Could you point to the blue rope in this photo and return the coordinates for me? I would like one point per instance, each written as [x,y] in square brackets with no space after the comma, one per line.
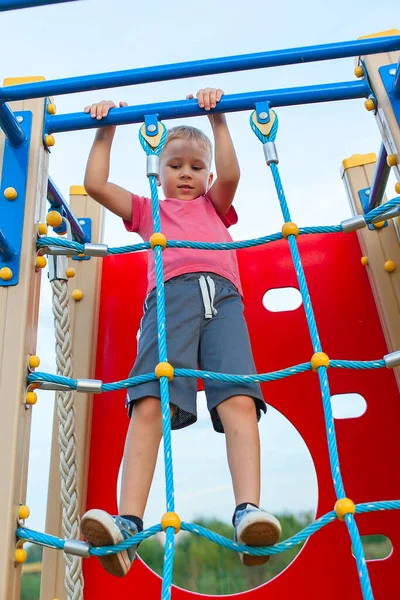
[49,540]
[322,371]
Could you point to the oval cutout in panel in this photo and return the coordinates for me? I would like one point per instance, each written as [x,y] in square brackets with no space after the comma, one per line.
[282,299]
[348,406]
[376,547]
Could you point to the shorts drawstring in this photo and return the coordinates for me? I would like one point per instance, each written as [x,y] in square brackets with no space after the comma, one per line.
[208,296]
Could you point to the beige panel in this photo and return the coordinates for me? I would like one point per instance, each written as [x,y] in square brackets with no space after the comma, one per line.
[84,320]
[18,332]
[379,246]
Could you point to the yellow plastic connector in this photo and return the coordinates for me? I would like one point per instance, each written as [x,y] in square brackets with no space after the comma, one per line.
[40,262]
[171,519]
[290,228]
[77,295]
[49,140]
[364,261]
[42,229]
[343,507]
[51,108]
[390,266]
[23,512]
[379,224]
[6,274]
[31,398]
[54,219]
[391,160]
[319,359]
[20,555]
[359,71]
[397,187]
[164,369]
[70,272]
[158,239]
[34,361]
[369,104]
[10,193]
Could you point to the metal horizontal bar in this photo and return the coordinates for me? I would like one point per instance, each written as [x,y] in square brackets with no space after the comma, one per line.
[55,197]
[396,82]
[7,252]
[379,182]
[10,126]
[229,103]
[15,4]
[244,62]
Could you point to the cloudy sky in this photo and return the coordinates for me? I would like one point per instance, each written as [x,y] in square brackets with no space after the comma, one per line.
[93,36]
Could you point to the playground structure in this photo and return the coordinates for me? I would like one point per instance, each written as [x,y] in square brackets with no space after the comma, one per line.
[25,190]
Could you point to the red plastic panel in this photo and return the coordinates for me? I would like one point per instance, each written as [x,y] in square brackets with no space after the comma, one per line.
[369,446]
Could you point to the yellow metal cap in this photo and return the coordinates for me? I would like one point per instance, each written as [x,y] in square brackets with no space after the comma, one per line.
[20,80]
[77,190]
[387,33]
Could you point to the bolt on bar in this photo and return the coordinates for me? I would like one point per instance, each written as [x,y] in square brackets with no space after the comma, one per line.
[57,200]
[7,252]
[10,126]
[245,62]
[229,103]
[379,182]
[396,82]
[15,4]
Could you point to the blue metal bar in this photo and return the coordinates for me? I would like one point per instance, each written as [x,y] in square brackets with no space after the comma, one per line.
[57,200]
[15,4]
[7,252]
[10,126]
[228,103]
[396,82]
[245,62]
[379,182]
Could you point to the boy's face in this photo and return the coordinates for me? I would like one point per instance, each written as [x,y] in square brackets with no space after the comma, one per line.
[185,170]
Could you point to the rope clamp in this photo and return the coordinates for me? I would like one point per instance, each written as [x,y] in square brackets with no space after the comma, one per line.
[270,153]
[89,386]
[77,548]
[263,112]
[392,359]
[152,165]
[357,222]
[58,264]
[95,249]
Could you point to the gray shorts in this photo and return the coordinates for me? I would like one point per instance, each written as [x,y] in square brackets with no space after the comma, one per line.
[206,329]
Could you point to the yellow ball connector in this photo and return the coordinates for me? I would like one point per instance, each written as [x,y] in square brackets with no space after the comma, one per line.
[42,229]
[34,361]
[379,224]
[343,507]
[54,219]
[77,295]
[390,266]
[364,261]
[23,512]
[369,104]
[49,140]
[319,359]
[40,262]
[290,228]
[397,187]
[171,519]
[158,239]
[164,369]
[31,398]
[391,160]
[20,556]
[70,272]
[359,72]
[6,274]
[51,108]
[10,193]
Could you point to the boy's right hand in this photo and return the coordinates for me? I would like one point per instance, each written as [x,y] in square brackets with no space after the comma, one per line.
[100,110]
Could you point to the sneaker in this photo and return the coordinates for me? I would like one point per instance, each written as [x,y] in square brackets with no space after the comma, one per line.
[101,529]
[255,527]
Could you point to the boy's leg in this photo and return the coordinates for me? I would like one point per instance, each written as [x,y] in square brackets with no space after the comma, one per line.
[253,526]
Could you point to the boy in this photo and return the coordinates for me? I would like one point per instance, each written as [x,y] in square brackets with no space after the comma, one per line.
[205,328]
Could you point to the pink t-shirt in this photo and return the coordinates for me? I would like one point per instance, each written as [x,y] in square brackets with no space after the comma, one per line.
[190,220]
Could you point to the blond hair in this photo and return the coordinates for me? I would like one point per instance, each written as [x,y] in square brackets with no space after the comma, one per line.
[191,134]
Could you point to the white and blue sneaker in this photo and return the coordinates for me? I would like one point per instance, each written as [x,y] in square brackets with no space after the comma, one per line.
[101,529]
[255,527]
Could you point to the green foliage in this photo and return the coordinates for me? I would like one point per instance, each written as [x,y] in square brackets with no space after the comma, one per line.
[30,586]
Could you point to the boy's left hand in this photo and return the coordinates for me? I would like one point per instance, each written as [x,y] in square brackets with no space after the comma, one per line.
[207,98]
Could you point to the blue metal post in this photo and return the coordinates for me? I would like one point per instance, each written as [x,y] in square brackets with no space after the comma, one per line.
[57,200]
[396,82]
[379,181]
[245,62]
[10,126]
[14,4]
[7,252]
[228,103]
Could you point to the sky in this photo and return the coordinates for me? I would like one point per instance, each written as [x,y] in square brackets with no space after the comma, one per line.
[93,36]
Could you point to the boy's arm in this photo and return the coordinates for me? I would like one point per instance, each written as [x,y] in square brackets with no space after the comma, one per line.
[223,189]
[96,183]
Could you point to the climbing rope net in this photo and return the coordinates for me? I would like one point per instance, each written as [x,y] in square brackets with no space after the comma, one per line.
[264,124]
